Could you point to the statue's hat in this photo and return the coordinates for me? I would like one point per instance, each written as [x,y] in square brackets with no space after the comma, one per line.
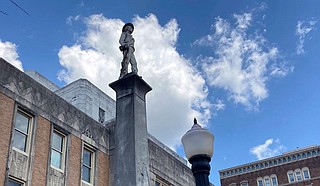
[128,24]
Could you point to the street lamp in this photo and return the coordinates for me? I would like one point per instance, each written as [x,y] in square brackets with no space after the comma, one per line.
[198,146]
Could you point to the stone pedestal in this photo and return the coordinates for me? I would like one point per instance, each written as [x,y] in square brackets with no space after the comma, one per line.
[131,142]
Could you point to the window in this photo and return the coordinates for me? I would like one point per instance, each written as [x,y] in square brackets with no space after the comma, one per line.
[298,175]
[308,154]
[102,114]
[274,180]
[290,176]
[58,150]
[22,131]
[267,181]
[305,172]
[260,182]
[244,183]
[87,165]
[12,182]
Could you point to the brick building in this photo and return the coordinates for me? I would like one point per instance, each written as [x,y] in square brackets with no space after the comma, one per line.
[300,167]
[69,136]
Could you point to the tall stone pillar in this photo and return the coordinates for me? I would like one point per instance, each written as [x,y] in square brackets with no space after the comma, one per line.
[131,142]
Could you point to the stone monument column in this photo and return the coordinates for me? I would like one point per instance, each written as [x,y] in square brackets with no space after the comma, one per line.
[131,136]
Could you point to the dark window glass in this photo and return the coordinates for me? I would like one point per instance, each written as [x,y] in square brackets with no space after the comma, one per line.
[20,141]
[13,183]
[86,173]
[275,162]
[298,156]
[57,150]
[304,155]
[294,158]
[21,132]
[86,165]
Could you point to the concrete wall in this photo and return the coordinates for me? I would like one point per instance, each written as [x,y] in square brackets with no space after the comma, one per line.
[88,98]
[165,166]
[42,80]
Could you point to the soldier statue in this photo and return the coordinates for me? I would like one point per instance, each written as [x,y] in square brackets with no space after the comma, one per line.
[127,48]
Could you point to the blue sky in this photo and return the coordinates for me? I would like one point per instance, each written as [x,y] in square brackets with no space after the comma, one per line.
[248,70]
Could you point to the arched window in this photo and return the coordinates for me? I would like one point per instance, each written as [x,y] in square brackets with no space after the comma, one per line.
[291,176]
[298,174]
[305,173]
[267,181]
[244,183]
[260,181]
[274,180]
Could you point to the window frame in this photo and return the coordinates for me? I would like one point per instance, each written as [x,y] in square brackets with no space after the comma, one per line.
[93,165]
[63,152]
[296,175]
[244,183]
[15,180]
[265,179]
[258,180]
[303,175]
[27,135]
[271,180]
[290,172]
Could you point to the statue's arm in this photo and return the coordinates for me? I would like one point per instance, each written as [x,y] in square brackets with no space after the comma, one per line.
[122,39]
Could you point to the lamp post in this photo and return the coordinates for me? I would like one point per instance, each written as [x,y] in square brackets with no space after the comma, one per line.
[198,146]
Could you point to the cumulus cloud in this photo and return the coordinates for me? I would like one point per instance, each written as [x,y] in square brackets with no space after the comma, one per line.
[270,148]
[303,28]
[242,60]
[179,92]
[8,51]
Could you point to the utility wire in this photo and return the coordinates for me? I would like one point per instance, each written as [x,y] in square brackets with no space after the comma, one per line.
[3,12]
[19,7]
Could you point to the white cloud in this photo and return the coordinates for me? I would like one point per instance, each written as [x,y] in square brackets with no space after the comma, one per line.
[303,28]
[270,148]
[242,62]
[72,19]
[179,92]
[8,51]
[219,105]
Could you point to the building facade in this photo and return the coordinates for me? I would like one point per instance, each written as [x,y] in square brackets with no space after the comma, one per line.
[300,167]
[67,136]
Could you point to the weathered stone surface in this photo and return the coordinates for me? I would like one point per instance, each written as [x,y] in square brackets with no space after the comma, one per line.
[167,165]
[131,152]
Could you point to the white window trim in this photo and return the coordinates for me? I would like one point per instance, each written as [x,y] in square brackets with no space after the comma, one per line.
[30,127]
[64,150]
[260,179]
[291,172]
[305,169]
[266,178]
[296,176]
[16,180]
[92,170]
[244,182]
[274,176]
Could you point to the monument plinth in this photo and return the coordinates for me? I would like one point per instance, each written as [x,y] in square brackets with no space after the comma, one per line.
[131,136]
